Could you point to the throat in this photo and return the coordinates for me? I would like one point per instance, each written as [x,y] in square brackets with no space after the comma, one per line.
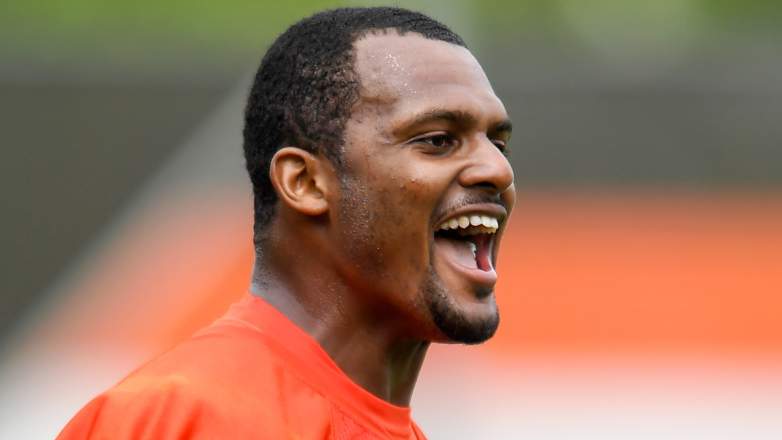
[388,371]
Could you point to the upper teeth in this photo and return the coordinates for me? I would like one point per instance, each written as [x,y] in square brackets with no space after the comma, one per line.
[482,223]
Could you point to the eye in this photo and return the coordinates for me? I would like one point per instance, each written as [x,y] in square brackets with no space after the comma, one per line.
[440,141]
[501,145]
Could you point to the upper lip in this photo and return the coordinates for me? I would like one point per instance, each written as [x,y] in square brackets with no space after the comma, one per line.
[490,209]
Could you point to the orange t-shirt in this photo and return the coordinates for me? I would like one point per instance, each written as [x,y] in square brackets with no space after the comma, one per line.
[251,374]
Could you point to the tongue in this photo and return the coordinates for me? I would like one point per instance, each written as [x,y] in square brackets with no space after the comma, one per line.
[482,257]
[459,251]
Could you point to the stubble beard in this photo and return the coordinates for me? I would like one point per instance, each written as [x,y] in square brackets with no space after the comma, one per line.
[443,310]
[452,321]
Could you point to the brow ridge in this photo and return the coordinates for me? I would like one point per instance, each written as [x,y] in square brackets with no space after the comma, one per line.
[458,117]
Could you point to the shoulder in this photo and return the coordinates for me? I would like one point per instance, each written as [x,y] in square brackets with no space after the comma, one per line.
[212,386]
[140,407]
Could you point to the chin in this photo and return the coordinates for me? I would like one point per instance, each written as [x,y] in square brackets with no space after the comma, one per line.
[471,323]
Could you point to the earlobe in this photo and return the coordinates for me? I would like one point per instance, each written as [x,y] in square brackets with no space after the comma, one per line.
[300,180]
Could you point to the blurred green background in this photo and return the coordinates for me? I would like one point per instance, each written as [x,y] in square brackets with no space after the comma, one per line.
[96,95]
[234,29]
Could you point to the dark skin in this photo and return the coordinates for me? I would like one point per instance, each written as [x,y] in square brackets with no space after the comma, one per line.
[351,255]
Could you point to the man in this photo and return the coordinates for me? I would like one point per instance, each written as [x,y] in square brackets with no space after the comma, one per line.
[377,153]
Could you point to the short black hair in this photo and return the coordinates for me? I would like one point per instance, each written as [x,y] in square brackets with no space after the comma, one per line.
[306,86]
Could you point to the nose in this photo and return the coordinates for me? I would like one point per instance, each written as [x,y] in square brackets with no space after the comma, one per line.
[488,168]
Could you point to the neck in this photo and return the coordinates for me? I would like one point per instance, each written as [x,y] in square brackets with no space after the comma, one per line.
[364,343]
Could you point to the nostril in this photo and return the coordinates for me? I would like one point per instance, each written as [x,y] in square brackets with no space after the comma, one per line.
[486,185]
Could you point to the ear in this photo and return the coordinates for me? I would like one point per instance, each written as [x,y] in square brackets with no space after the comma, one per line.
[301,180]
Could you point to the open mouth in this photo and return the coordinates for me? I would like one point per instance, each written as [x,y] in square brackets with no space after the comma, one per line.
[468,241]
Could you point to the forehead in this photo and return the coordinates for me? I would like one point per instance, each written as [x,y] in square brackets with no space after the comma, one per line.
[410,73]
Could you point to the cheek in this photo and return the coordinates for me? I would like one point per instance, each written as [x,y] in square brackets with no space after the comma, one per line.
[403,217]
[395,226]
[413,201]
[400,192]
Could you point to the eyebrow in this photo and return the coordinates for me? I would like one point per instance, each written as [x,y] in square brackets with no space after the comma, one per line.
[457,117]
[504,126]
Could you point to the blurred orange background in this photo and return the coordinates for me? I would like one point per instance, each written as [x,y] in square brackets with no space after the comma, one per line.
[668,274]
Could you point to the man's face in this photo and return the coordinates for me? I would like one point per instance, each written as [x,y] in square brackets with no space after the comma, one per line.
[426,188]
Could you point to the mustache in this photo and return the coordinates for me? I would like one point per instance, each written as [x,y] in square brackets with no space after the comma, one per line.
[471,199]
